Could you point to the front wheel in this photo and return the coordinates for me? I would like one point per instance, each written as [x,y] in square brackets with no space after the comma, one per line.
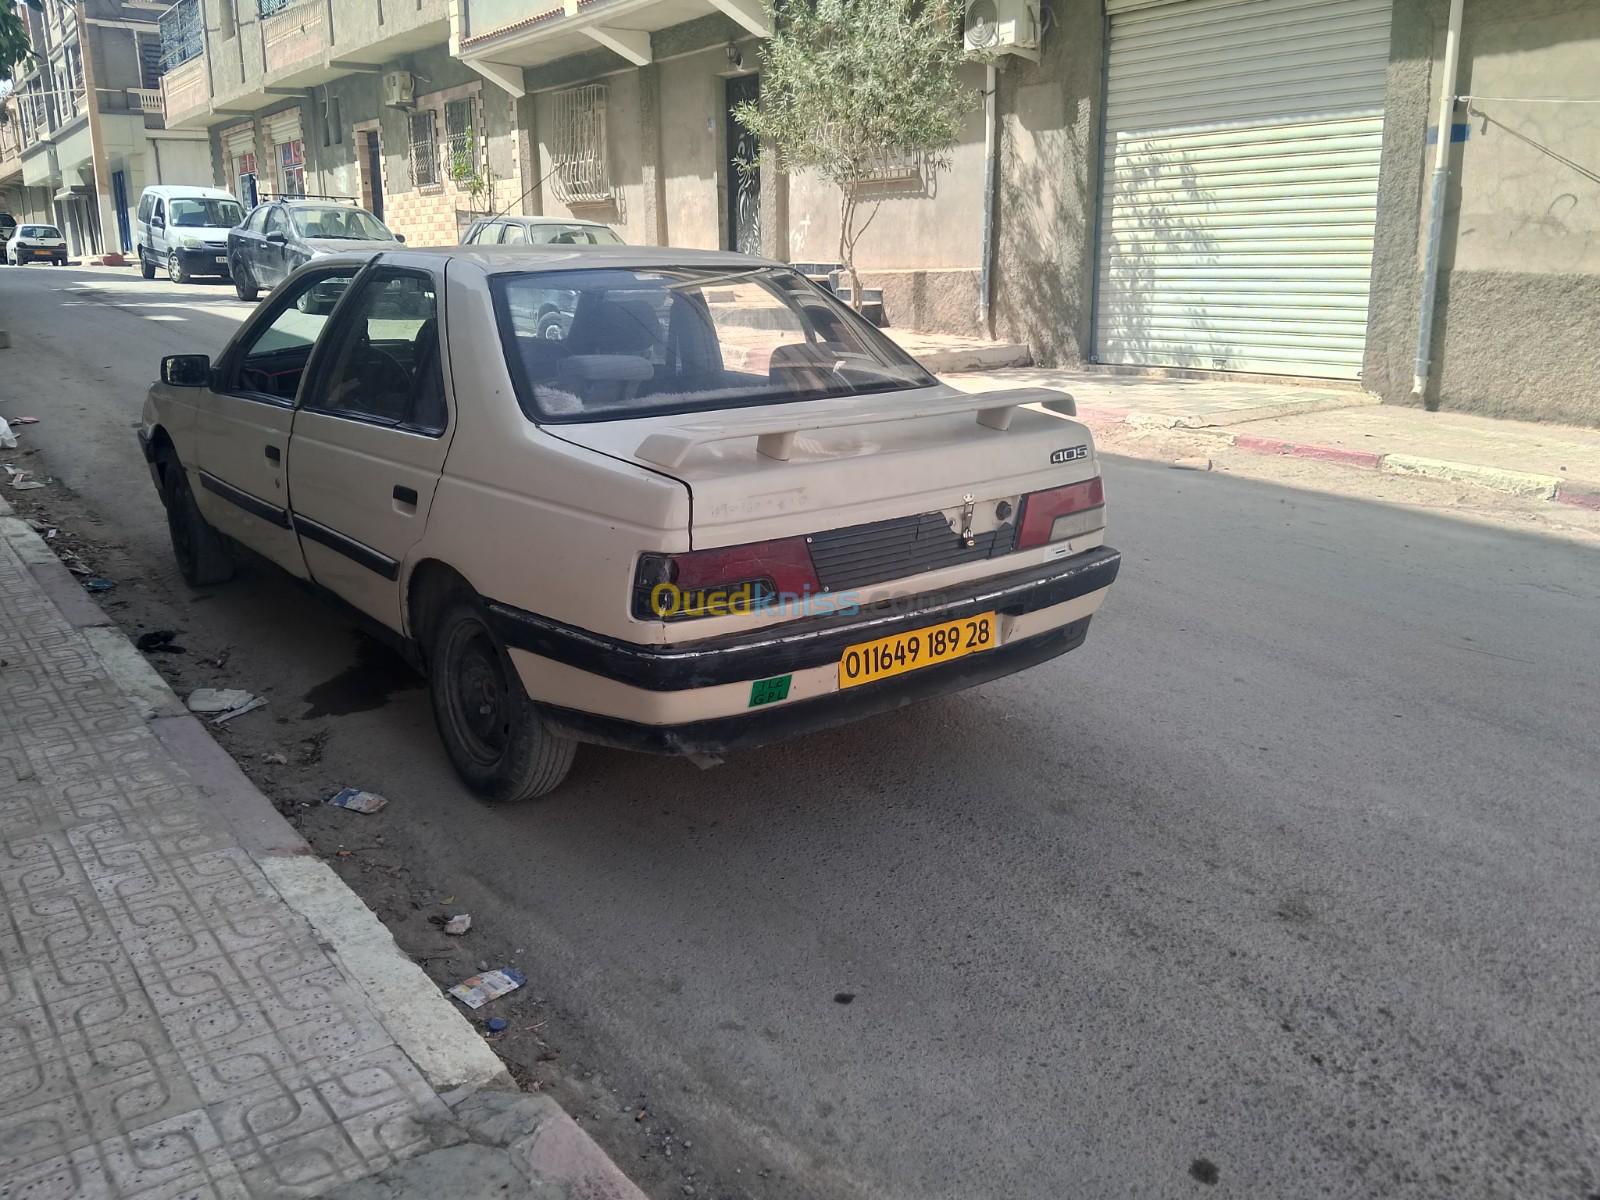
[496,739]
[203,555]
[175,271]
[147,269]
[244,283]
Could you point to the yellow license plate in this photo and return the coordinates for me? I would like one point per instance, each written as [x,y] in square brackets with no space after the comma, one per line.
[867,662]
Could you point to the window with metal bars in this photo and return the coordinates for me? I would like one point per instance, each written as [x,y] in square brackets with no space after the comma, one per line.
[424,150]
[460,147]
[893,166]
[265,8]
[182,33]
[582,169]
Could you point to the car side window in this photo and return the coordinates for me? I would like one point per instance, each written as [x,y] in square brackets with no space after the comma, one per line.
[257,220]
[277,222]
[476,234]
[145,205]
[161,211]
[515,235]
[387,367]
[274,360]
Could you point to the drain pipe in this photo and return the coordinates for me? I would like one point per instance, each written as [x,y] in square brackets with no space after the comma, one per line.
[1441,183]
[991,194]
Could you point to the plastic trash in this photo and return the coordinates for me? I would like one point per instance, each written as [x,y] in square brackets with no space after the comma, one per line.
[216,700]
[458,924]
[98,583]
[497,1024]
[357,800]
[491,985]
[8,440]
[253,704]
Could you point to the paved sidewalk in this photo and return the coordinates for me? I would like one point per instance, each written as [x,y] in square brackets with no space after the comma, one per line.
[191,1004]
[942,352]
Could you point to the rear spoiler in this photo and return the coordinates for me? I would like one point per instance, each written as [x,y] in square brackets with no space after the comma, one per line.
[775,433]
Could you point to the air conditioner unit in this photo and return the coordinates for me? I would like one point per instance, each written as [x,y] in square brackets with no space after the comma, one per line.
[996,27]
[399,89]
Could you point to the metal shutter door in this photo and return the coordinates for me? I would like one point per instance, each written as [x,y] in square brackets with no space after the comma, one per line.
[239,139]
[283,127]
[1239,185]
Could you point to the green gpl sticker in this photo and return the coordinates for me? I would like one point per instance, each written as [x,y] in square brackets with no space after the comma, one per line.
[766,691]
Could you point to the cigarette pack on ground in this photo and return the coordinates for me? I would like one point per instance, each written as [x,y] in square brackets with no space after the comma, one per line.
[357,800]
[480,989]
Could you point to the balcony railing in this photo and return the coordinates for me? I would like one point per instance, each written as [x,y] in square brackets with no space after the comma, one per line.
[146,100]
[183,32]
[293,33]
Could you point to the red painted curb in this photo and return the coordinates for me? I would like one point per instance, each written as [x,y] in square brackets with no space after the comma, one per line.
[1351,458]
[1578,497]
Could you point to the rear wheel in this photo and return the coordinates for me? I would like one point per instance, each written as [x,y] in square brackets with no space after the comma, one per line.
[203,555]
[175,271]
[493,733]
[147,268]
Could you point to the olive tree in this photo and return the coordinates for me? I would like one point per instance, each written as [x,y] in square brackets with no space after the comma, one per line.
[846,84]
[15,48]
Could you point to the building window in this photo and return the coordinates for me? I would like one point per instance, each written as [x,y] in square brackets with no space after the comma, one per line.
[244,174]
[460,146]
[265,8]
[582,171]
[893,166]
[424,150]
[332,126]
[292,168]
[182,34]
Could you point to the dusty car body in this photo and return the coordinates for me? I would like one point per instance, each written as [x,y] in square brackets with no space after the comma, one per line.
[723,511]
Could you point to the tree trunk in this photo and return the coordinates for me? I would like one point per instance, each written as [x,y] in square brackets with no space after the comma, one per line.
[847,243]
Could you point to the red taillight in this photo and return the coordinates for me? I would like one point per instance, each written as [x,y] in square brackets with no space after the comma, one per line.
[705,583]
[1040,511]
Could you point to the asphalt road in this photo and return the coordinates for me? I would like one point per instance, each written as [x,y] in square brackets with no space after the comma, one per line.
[1287,880]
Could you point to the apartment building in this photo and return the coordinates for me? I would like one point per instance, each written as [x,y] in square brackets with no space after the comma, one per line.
[1234,186]
[85,130]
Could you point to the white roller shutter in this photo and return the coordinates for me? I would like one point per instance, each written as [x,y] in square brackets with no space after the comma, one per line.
[283,127]
[1239,185]
[239,139]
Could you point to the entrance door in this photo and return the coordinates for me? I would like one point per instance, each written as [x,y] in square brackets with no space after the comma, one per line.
[1239,189]
[744,171]
[372,162]
[119,197]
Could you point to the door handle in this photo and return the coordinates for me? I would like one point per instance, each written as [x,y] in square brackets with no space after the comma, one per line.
[274,454]
[405,495]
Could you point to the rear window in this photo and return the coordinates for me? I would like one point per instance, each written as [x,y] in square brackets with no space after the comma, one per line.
[607,344]
[39,231]
[544,234]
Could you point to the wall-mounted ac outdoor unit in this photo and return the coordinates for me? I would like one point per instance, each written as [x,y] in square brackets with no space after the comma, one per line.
[996,27]
[399,89]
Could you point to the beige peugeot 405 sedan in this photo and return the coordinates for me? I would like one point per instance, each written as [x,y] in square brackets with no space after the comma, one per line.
[719,511]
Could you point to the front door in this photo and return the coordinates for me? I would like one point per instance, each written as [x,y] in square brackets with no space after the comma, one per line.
[272,256]
[744,170]
[242,430]
[370,437]
[374,171]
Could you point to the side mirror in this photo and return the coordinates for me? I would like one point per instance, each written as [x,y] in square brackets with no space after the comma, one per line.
[186,370]
[277,238]
[399,237]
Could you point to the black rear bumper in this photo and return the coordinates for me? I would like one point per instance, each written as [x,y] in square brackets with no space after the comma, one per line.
[760,727]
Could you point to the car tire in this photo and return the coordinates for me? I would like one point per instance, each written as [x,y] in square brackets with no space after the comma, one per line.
[244,284]
[175,271]
[147,269]
[494,735]
[551,327]
[204,556]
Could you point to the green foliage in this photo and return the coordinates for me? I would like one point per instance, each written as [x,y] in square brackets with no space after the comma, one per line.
[845,83]
[14,47]
[464,169]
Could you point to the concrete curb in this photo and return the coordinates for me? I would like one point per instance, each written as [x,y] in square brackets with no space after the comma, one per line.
[1511,483]
[428,1028]
[954,359]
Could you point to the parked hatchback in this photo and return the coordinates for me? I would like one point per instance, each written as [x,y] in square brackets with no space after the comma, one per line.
[723,511]
[184,229]
[36,243]
[281,236]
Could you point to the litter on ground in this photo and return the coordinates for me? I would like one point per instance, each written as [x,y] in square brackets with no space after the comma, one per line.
[357,800]
[249,706]
[480,989]
[458,924]
[216,700]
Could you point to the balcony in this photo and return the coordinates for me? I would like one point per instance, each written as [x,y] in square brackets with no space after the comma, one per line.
[293,34]
[145,100]
[185,94]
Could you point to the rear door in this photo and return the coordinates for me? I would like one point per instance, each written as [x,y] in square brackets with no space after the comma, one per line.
[370,436]
[242,432]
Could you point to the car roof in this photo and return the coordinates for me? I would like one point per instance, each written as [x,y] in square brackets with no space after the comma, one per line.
[522,220]
[170,191]
[496,260]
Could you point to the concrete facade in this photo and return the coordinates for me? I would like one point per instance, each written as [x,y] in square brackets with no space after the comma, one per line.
[1519,293]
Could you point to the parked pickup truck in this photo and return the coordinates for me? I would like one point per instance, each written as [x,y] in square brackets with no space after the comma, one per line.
[722,510]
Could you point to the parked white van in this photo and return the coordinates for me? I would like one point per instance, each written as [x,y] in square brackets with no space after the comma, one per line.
[184,229]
